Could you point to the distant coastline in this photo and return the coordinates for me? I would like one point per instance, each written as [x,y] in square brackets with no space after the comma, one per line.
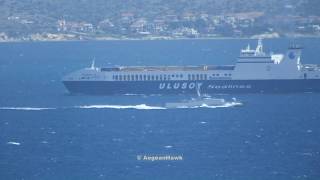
[69,38]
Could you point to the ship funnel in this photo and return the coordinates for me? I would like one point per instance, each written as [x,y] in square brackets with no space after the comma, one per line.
[294,53]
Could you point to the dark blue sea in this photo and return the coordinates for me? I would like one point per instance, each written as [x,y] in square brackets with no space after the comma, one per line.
[48,134]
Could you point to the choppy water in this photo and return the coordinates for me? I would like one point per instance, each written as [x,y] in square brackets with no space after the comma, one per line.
[45,133]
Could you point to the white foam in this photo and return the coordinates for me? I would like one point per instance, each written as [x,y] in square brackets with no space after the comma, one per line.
[107,106]
[14,143]
[228,104]
[44,142]
[117,139]
[140,107]
[306,154]
[26,108]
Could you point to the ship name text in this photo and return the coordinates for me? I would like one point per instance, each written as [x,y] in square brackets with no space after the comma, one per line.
[193,85]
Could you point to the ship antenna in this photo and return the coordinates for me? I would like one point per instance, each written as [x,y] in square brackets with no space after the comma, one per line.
[93,63]
[259,48]
[260,44]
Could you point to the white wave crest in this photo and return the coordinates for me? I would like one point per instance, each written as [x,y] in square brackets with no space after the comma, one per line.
[26,108]
[140,107]
[14,143]
[227,104]
[107,106]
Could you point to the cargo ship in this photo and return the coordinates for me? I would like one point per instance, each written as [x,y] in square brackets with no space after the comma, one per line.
[255,71]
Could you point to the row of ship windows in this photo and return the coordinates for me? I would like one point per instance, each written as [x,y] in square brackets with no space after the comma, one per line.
[145,77]
[162,77]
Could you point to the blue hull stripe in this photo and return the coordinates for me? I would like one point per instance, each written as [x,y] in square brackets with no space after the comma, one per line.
[188,87]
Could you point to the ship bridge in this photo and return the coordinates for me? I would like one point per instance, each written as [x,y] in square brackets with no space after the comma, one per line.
[257,55]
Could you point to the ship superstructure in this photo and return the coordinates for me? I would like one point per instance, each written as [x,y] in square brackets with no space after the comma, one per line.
[254,72]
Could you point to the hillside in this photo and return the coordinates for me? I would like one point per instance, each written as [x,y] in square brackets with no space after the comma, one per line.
[78,19]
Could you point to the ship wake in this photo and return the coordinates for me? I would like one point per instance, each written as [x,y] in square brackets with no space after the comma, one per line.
[147,107]
[226,105]
[110,106]
[27,108]
[139,107]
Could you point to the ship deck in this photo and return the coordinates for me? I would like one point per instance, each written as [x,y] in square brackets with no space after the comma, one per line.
[311,67]
[168,68]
